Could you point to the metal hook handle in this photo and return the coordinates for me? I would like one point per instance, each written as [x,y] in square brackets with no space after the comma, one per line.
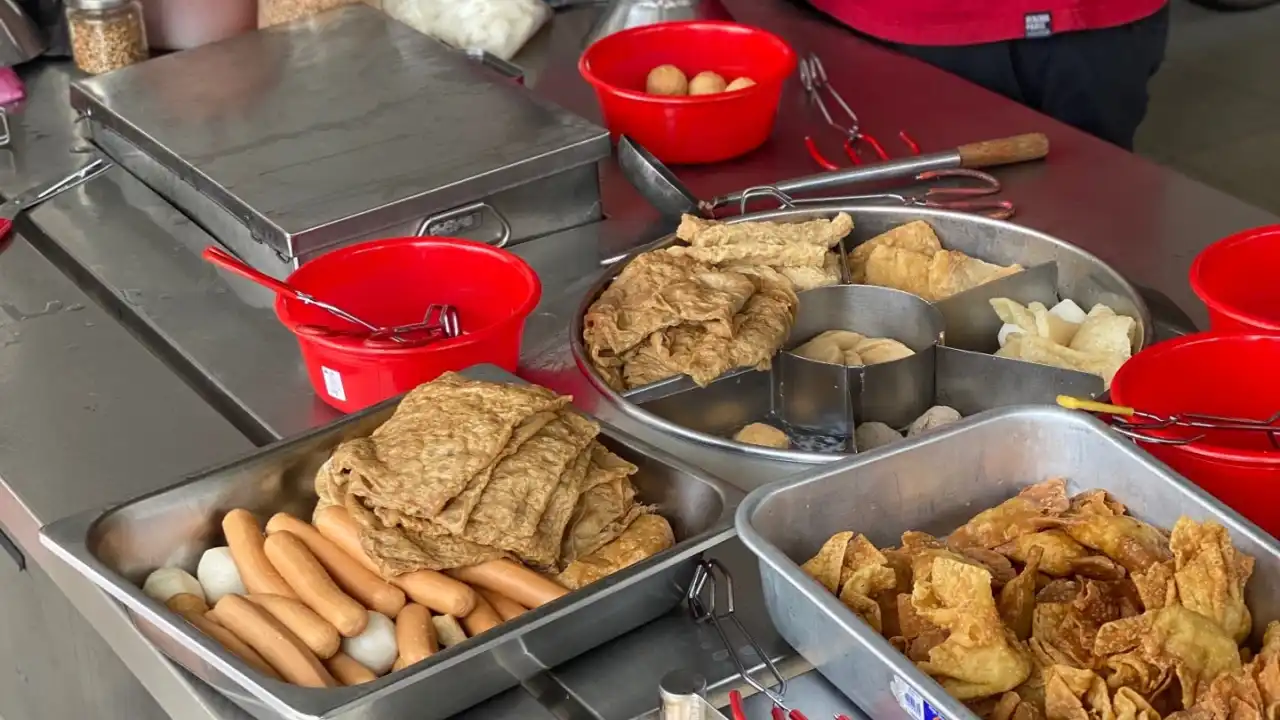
[424,228]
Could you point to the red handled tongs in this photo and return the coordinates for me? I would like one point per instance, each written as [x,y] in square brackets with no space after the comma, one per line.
[814,78]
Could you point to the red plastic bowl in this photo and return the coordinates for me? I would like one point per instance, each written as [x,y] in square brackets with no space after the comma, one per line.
[1236,279]
[1214,374]
[693,129]
[391,282]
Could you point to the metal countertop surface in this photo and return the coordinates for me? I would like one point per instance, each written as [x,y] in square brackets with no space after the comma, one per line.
[163,368]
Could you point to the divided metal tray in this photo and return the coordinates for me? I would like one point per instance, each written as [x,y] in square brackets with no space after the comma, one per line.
[116,548]
[935,483]
[969,378]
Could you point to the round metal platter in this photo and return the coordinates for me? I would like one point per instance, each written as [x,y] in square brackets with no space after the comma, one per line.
[1080,275]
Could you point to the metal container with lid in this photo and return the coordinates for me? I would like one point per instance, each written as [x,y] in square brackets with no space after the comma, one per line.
[292,141]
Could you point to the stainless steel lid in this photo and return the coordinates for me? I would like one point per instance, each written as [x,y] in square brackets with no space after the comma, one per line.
[314,133]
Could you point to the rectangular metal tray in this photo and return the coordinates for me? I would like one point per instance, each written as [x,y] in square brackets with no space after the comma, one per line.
[116,548]
[321,140]
[935,483]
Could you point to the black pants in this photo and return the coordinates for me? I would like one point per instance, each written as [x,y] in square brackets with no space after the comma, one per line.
[1094,80]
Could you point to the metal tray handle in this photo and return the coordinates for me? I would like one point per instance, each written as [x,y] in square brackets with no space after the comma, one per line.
[463,211]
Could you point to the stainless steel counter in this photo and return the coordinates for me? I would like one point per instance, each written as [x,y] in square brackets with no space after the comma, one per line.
[163,367]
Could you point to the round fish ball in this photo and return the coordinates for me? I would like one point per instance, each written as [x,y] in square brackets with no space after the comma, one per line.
[706,83]
[871,435]
[741,83]
[169,581]
[933,418]
[764,435]
[375,648]
[666,80]
[219,575]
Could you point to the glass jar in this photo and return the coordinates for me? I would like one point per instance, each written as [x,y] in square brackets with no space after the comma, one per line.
[106,34]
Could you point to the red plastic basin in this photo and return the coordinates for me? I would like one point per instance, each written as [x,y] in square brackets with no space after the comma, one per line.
[391,282]
[1214,374]
[1236,279]
[693,129]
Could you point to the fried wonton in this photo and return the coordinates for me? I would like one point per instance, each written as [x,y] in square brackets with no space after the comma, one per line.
[1211,574]
[979,657]
[1193,646]
[1127,540]
[1062,556]
[1030,511]
[1018,597]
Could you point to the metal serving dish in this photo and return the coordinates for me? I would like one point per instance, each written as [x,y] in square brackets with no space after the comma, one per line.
[935,483]
[671,405]
[116,548]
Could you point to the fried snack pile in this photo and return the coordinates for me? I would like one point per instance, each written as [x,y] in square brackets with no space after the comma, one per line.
[1067,608]
[725,300]
[468,471]
[910,258]
[1097,343]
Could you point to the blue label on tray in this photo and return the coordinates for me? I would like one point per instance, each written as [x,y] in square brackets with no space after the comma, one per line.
[911,701]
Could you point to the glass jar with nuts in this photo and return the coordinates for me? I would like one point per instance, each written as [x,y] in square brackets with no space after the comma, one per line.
[106,34]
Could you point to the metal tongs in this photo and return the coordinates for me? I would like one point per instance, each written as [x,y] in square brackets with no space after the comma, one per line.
[813,76]
[10,209]
[703,590]
[440,321]
[1136,424]
[972,197]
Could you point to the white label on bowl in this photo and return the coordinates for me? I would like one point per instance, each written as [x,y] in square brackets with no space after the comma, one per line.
[333,384]
[911,701]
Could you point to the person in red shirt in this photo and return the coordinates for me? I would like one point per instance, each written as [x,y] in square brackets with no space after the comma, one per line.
[1084,62]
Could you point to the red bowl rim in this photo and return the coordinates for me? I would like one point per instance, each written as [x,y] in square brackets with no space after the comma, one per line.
[1214,303]
[788,54]
[355,347]
[1253,458]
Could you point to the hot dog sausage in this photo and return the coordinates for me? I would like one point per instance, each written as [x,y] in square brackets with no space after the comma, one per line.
[415,634]
[513,580]
[507,608]
[313,585]
[482,619]
[356,580]
[279,647]
[245,540]
[348,671]
[314,631]
[425,587]
[228,640]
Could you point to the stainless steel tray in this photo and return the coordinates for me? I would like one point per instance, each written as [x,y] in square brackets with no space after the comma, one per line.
[116,548]
[935,483]
[706,415]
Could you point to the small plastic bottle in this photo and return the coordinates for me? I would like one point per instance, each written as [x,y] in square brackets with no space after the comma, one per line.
[106,35]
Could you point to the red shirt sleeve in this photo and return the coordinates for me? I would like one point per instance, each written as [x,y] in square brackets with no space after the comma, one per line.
[970,22]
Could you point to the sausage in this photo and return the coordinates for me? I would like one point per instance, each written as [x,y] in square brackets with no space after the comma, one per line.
[415,634]
[281,648]
[356,580]
[184,603]
[245,540]
[313,585]
[228,640]
[513,580]
[348,671]
[449,630]
[507,608]
[482,619]
[425,587]
[311,629]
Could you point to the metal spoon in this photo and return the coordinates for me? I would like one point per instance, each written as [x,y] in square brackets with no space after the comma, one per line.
[672,198]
